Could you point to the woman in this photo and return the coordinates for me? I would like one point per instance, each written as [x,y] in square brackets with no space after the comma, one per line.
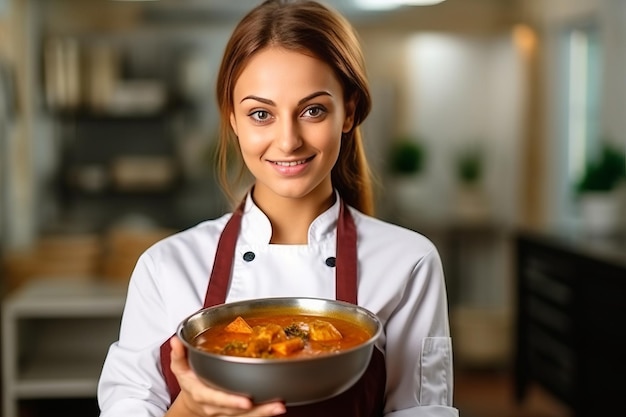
[292,92]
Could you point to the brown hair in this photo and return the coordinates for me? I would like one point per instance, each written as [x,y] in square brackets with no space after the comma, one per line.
[308,27]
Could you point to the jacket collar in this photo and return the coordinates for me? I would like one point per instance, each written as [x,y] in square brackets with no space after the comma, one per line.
[256,227]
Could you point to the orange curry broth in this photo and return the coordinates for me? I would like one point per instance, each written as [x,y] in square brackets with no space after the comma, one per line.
[214,339]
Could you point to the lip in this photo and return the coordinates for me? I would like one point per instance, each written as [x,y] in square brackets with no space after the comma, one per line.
[290,168]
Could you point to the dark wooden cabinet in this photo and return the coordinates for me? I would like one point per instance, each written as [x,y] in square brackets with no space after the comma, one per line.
[571,316]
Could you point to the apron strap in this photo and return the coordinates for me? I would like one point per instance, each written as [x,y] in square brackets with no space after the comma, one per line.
[223,265]
[346,273]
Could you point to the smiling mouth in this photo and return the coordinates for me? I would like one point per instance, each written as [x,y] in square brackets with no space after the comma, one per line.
[291,163]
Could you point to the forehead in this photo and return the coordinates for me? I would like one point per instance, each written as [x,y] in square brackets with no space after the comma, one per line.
[276,71]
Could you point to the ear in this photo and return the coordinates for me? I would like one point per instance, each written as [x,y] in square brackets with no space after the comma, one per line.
[233,123]
[348,122]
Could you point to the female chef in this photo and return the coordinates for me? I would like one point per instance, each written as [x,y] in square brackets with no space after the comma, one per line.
[292,92]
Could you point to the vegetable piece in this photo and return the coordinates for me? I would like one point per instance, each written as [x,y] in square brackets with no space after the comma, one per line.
[288,347]
[238,325]
[235,349]
[320,330]
[299,329]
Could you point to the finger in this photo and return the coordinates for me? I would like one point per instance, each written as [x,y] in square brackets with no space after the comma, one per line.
[264,410]
[178,349]
[178,357]
[226,400]
[269,409]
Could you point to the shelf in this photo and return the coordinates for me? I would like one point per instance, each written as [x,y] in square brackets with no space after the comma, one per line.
[51,297]
[57,378]
[56,335]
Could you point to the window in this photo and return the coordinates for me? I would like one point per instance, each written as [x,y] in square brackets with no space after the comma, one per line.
[582,102]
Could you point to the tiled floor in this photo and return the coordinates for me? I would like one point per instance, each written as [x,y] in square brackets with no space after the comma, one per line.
[491,394]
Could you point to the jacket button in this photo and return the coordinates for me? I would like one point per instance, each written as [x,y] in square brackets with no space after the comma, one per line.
[331,261]
[248,256]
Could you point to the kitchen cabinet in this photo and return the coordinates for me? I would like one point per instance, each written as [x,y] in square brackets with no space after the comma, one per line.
[571,307]
[55,337]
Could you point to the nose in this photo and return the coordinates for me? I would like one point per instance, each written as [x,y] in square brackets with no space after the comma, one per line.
[288,138]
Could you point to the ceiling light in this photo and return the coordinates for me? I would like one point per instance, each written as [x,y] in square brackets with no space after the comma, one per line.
[392,4]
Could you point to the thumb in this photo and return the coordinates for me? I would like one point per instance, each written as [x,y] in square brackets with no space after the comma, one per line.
[178,355]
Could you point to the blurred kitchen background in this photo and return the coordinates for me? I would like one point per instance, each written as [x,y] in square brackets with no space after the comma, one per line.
[498,130]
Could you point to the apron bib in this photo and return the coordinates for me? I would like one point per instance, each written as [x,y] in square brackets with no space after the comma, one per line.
[363,399]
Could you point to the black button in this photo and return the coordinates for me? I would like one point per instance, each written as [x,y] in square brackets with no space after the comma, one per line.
[331,261]
[248,256]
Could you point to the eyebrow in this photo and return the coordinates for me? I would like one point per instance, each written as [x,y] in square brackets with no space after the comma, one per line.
[301,101]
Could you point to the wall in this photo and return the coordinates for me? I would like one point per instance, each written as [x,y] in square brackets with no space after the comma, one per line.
[468,90]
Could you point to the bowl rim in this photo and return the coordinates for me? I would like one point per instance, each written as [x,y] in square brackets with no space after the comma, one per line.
[246,360]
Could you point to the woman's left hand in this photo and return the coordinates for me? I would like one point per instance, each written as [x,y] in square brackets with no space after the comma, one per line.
[203,401]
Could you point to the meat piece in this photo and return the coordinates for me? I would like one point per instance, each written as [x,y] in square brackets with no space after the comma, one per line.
[262,338]
[288,347]
[320,331]
[238,325]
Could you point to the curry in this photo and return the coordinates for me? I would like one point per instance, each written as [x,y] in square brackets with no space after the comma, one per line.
[281,336]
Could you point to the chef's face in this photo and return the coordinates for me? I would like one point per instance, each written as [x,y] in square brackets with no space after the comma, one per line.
[289,115]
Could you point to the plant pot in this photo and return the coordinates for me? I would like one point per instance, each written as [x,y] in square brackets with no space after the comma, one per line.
[600,213]
[409,195]
[471,203]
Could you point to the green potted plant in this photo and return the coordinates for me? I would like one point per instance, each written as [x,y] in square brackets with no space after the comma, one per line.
[597,190]
[406,156]
[471,198]
[469,167]
[405,164]
[604,173]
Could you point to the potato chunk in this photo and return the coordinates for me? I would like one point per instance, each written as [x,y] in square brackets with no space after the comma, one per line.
[238,325]
[288,347]
[320,330]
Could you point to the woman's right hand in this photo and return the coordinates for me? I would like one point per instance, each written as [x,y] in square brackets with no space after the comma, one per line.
[198,399]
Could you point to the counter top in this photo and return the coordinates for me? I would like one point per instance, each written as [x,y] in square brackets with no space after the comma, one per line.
[610,249]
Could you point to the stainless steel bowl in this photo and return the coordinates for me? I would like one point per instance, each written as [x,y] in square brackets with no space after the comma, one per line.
[294,381]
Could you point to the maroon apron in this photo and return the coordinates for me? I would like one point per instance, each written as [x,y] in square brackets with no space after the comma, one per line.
[363,399]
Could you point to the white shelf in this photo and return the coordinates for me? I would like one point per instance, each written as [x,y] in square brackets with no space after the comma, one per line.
[62,297]
[56,334]
[57,378]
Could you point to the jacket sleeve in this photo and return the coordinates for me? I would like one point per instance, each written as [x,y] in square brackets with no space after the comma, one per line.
[131,382]
[419,347]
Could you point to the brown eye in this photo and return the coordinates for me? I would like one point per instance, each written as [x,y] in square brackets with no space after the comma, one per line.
[314,112]
[260,115]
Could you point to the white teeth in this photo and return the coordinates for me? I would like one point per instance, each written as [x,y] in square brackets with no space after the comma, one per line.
[289,164]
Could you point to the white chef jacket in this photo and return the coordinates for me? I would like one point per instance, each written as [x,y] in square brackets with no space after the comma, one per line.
[400,279]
